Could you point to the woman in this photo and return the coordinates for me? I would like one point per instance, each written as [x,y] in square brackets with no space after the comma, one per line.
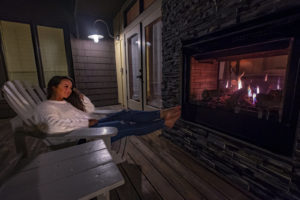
[65,111]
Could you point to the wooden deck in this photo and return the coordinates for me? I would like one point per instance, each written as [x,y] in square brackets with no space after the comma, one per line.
[158,169]
[155,169]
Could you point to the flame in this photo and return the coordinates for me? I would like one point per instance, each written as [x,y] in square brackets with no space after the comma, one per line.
[257,89]
[249,91]
[227,84]
[266,77]
[278,84]
[240,84]
[254,98]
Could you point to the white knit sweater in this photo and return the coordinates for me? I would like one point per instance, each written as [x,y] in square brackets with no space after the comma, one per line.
[59,116]
[88,105]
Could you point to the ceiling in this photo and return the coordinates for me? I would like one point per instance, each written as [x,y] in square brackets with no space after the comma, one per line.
[87,11]
[99,8]
[84,12]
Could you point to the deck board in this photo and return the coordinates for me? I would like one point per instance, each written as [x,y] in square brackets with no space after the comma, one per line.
[183,170]
[127,191]
[210,179]
[181,185]
[157,167]
[155,177]
[140,182]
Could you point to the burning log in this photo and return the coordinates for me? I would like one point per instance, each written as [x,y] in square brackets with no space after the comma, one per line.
[271,100]
[239,97]
[208,95]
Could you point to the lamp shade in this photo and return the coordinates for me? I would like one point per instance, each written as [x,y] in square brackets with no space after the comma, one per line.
[95,37]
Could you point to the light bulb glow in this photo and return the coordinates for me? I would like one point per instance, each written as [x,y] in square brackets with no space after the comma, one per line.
[95,37]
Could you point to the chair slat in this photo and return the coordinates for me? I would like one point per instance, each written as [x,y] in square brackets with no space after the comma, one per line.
[19,86]
[15,98]
[14,91]
[32,93]
[16,105]
[40,92]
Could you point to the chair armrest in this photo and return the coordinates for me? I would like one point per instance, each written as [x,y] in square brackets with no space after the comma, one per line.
[105,112]
[88,133]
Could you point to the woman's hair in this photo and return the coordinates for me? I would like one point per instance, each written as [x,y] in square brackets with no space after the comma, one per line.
[73,99]
[76,100]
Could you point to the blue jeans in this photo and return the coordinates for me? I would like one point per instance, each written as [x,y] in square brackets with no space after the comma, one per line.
[132,122]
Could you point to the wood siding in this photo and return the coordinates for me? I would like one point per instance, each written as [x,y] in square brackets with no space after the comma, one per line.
[95,70]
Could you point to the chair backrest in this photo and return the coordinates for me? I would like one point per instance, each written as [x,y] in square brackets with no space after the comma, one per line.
[23,98]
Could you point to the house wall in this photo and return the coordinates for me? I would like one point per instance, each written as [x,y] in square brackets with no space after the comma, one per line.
[95,70]
[266,175]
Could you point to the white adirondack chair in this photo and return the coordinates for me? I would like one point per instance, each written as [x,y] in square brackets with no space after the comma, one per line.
[24,98]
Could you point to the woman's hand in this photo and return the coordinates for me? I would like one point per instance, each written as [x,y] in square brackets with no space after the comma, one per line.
[92,122]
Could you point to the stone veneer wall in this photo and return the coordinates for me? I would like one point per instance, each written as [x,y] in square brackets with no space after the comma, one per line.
[264,174]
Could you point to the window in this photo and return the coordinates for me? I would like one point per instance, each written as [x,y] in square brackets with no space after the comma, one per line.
[18,51]
[20,55]
[134,67]
[153,63]
[52,51]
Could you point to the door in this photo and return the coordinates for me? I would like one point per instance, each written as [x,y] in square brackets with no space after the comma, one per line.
[152,61]
[134,70]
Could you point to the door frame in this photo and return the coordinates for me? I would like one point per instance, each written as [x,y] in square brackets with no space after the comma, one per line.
[132,104]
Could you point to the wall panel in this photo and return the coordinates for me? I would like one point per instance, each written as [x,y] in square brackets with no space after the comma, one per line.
[95,70]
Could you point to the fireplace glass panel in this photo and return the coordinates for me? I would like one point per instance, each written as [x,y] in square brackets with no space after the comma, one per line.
[251,84]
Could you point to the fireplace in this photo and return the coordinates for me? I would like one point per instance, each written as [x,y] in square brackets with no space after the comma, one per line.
[242,81]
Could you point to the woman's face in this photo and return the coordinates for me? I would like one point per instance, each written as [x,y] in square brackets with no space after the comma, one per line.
[63,90]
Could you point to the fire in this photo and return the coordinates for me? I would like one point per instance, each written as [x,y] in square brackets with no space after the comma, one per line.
[266,77]
[240,84]
[278,84]
[254,98]
[249,91]
[257,89]
[227,84]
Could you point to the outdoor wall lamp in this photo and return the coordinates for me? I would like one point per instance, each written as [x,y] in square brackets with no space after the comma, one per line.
[97,37]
